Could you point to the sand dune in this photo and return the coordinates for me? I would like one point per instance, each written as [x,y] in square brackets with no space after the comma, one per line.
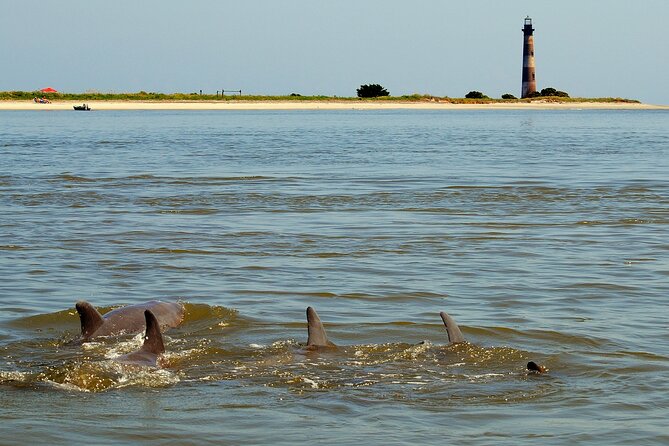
[320,105]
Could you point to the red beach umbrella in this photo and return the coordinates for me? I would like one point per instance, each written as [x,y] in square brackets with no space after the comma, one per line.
[49,90]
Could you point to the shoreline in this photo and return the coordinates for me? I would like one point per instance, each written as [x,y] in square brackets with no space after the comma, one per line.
[325,105]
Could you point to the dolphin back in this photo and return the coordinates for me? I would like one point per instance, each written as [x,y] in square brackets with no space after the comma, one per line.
[317,336]
[153,339]
[90,318]
[128,319]
[454,333]
[152,348]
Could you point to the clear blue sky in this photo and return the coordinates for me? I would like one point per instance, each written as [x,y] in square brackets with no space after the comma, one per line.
[445,48]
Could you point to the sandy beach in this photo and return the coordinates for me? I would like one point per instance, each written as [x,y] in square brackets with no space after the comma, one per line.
[322,105]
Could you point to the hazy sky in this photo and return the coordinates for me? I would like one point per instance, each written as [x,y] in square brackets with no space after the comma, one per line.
[445,48]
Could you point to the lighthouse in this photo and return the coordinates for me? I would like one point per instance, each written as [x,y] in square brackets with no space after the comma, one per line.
[529,79]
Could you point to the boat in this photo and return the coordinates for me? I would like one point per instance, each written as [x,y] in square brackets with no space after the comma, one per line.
[83,107]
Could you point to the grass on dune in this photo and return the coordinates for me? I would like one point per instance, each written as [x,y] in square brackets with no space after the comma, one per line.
[195,97]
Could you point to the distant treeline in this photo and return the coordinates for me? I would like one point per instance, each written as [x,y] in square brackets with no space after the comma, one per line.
[144,96]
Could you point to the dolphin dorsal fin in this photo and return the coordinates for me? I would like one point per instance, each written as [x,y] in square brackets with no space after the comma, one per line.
[90,318]
[454,333]
[153,339]
[317,336]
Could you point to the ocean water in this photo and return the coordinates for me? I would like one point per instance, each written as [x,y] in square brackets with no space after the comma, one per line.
[545,234]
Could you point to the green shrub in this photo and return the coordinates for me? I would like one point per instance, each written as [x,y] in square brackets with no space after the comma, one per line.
[550,91]
[475,95]
[508,96]
[372,91]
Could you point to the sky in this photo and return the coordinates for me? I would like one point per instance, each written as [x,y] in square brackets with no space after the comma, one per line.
[588,48]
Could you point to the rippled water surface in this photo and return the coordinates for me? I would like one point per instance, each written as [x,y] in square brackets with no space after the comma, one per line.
[545,234]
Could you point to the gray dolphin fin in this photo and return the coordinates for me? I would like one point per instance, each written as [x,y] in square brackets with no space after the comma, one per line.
[454,333]
[317,336]
[153,339]
[533,367]
[90,318]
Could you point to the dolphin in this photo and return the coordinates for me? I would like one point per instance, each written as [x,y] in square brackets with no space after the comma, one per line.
[129,319]
[152,348]
[454,334]
[317,337]
[533,367]
[455,337]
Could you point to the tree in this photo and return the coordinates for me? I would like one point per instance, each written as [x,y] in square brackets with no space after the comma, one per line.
[550,91]
[372,91]
[508,96]
[475,95]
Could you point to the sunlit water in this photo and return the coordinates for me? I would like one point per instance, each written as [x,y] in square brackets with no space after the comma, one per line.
[545,234]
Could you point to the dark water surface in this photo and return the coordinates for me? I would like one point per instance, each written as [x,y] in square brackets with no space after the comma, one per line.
[545,234]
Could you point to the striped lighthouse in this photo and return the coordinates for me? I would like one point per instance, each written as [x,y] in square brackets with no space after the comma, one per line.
[529,80]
